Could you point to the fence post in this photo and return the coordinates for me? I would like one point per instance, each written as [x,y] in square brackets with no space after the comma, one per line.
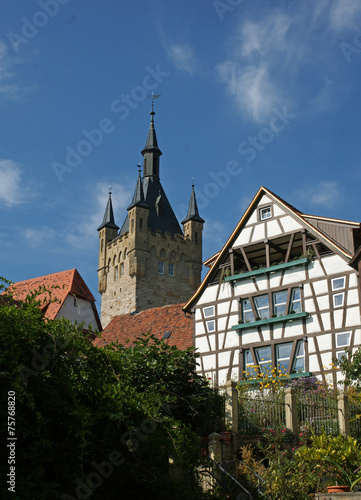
[343,414]
[291,410]
[231,411]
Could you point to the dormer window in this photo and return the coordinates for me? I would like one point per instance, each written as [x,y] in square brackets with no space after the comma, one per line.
[265,213]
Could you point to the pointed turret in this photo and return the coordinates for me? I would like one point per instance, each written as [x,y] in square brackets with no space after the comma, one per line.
[138,197]
[108,219]
[151,151]
[193,213]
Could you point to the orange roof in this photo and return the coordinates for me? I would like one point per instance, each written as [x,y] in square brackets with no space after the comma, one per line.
[158,321]
[59,284]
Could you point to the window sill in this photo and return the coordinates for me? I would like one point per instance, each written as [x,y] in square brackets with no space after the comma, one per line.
[267,321]
[267,270]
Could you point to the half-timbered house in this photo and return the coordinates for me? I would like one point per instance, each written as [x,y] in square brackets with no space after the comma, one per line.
[281,295]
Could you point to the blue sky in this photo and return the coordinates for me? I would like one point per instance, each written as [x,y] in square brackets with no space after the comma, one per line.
[262,92]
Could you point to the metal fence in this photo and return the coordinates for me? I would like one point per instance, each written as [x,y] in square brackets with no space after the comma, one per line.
[355,419]
[317,414]
[259,411]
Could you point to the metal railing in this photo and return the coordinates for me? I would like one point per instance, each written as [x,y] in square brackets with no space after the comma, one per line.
[261,411]
[317,414]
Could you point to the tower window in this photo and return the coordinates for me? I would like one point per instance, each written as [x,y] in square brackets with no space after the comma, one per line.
[116,273]
[161,267]
[132,225]
[171,269]
[196,238]
[101,245]
[141,224]
[121,269]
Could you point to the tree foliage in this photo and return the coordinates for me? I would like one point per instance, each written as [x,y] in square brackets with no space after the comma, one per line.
[112,422]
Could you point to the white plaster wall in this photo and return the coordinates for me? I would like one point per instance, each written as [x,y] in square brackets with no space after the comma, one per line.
[222,376]
[198,314]
[326,320]
[312,324]
[352,316]
[307,292]
[222,324]
[294,328]
[234,306]
[226,291]
[266,333]
[334,264]
[265,199]
[233,320]
[221,340]
[357,337]
[249,337]
[212,341]
[353,281]
[224,358]
[80,312]
[232,339]
[326,358]
[277,331]
[273,228]
[320,287]
[259,232]
[262,283]
[323,302]
[337,318]
[244,287]
[352,297]
[310,305]
[278,210]
[244,237]
[315,270]
[325,341]
[289,224]
[313,363]
[201,344]
[209,295]
[294,275]
[253,219]
[275,279]
[209,362]
[199,329]
[311,345]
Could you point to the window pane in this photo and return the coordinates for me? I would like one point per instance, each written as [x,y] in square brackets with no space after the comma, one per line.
[295,304]
[300,351]
[171,269]
[208,311]
[338,300]
[264,359]
[342,339]
[283,354]
[247,311]
[340,355]
[280,297]
[265,213]
[249,367]
[299,365]
[262,306]
[296,294]
[338,283]
[161,267]
[211,325]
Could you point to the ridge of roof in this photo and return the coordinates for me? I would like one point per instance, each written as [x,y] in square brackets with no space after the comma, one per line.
[60,284]
[297,213]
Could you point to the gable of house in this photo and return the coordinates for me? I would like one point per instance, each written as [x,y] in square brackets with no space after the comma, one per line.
[67,296]
[280,295]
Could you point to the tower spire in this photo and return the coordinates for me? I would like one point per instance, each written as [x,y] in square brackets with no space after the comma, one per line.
[108,219]
[138,197]
[193,213]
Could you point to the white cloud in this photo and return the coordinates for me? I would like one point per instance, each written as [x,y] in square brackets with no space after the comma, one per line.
[183,58]
[251,86]
[345,14]
[325,193]
[37,237]
[12,191]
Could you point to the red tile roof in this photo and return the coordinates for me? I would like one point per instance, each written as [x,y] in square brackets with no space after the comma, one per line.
[60,285]
[128,327]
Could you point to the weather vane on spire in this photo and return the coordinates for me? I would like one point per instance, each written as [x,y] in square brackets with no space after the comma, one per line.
[153,96]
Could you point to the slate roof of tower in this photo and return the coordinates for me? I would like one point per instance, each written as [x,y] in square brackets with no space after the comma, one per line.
[138,197]
[126,328]
[108,219]
[60,285]
[193,213]
[151,143]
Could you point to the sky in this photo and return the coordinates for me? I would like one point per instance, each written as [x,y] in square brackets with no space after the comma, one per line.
[261,92]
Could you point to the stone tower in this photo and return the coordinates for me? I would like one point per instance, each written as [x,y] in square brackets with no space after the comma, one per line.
[150,262]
